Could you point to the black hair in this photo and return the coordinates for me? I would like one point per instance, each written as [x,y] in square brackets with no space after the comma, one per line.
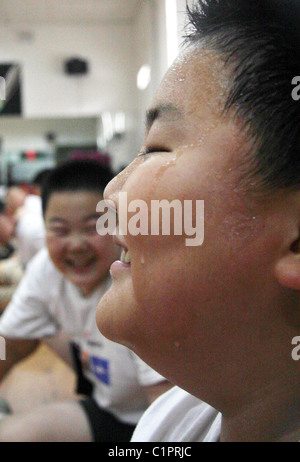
[2,207]
[76,175]
[259,41]
[40,178]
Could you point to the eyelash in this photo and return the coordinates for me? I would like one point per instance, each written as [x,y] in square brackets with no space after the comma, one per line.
[151,151]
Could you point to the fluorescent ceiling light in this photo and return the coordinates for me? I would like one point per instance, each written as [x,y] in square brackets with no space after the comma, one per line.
[144,77]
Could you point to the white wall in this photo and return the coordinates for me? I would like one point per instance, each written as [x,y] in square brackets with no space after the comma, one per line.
[181,18]
[151,48]
[48,92]
[19,134]
[144,55]
[115,53]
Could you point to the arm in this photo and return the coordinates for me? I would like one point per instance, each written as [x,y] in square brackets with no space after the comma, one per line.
[27,317]
[16,351]
[154,391]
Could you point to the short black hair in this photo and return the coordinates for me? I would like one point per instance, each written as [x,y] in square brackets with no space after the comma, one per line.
[40,177]
[259,41]
[2,207]
[76,175]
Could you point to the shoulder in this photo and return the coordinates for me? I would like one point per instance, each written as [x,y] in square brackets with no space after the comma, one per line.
[41,267]
[33,203]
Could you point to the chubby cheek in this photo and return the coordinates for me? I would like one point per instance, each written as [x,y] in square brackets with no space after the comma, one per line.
[56,251]
[165,293]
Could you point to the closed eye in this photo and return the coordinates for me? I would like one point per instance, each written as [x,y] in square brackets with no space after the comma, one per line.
[152,151]
[58,231]
[91,229]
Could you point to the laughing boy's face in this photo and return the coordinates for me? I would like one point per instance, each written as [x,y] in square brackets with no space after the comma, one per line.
[76,249]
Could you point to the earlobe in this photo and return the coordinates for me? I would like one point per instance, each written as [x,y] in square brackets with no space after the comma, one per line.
[287,271]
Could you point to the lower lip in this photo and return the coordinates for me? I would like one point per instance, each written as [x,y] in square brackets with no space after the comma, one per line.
[119,267]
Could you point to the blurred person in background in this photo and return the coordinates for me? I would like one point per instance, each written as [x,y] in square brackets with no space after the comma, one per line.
[30,228]
[57,300]
[10,268]
[15,199]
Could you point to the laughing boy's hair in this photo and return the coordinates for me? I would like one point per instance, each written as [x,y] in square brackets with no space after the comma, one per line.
[76,175]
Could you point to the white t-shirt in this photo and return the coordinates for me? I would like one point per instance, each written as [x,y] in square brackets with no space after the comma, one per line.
[46,304]
[177,416]
[30,229]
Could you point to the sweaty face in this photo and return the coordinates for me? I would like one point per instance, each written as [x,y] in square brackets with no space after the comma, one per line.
[74,246]
[182,308]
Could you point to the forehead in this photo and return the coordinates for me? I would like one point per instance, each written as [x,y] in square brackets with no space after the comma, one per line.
[72,204]
[196,82]
[196,89]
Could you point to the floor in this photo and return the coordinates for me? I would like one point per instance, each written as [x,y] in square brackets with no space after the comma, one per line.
[40,379]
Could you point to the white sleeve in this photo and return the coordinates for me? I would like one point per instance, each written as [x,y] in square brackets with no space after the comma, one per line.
[27,315]
[146,375]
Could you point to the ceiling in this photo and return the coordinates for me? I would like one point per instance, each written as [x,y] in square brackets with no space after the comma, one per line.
[66,12]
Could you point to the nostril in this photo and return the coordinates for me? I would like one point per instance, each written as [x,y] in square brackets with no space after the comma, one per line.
[78,244]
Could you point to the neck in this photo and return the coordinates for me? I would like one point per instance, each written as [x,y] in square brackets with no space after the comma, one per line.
[274,415]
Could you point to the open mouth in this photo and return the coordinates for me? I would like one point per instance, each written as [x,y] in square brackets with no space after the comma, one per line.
[124,262]
[125,256]
[80,264]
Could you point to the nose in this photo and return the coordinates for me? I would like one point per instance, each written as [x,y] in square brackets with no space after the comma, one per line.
[116,184]
[77,243]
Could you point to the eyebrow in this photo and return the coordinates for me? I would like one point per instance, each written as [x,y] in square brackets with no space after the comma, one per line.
[163,110]
[60,220]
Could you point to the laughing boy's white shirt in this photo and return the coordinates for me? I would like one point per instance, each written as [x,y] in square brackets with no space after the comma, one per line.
[46,304]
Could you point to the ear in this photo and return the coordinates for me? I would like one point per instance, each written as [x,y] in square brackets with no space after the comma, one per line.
[287,270]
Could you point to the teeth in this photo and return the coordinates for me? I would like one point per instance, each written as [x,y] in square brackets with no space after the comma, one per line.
[125,256]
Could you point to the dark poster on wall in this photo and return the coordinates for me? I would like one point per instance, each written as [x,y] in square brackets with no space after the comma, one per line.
[10,89]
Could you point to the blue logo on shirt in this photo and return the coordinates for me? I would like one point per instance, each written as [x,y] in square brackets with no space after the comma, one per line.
[101,369]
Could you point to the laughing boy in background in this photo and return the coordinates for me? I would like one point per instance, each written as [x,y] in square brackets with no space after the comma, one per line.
[57,299]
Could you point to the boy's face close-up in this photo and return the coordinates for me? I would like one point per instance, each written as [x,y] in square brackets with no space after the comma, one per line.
[174,301]
[76,249]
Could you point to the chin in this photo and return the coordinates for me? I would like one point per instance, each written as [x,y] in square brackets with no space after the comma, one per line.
[113,319]
[105,318]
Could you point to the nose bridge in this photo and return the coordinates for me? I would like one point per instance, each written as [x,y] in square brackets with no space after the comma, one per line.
[115,186]
[77,240]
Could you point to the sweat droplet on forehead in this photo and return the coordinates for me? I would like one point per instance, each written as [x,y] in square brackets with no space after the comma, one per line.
[201,74]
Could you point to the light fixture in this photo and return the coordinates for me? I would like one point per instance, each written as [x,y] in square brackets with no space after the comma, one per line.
[144,77]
